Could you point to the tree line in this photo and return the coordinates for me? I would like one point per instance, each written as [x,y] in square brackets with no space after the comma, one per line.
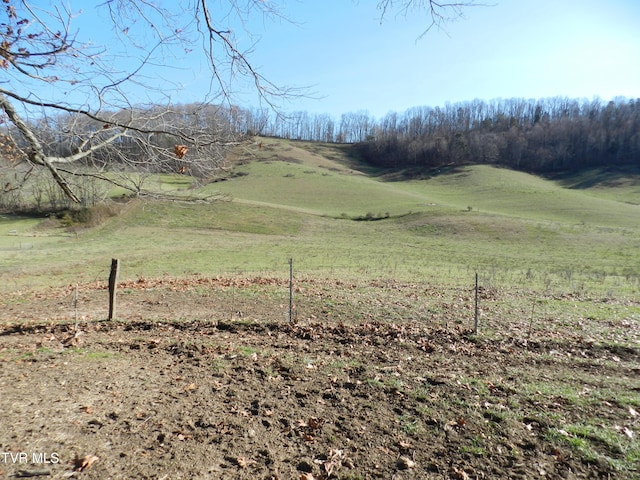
[541,135]
[555,134]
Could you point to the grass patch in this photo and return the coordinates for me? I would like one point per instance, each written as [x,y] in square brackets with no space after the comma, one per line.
[92,355]
[246,351]
[597,443]
[476,447]
[375,383]
[410,425]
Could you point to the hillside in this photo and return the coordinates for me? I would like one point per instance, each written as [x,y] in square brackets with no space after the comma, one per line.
[296,175]
[317,204]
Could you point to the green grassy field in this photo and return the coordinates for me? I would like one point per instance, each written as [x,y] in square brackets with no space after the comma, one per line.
[312,203]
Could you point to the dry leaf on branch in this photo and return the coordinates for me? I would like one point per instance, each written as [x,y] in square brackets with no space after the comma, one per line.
[180,150]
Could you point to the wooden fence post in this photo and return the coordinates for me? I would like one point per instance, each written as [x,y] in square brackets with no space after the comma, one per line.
[113,284]
[75,306]
[475,323]
[291,290]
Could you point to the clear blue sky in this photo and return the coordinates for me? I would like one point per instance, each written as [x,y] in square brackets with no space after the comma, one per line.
[516,48]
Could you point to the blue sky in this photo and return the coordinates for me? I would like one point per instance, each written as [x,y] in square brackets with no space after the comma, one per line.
[517,48]
[351,62]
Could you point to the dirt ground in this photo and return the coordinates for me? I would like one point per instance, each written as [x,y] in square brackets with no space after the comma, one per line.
[206,378]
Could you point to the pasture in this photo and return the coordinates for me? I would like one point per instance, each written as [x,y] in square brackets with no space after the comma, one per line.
[380,376]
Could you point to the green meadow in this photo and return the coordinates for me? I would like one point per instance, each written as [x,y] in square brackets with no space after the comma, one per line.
[316,204]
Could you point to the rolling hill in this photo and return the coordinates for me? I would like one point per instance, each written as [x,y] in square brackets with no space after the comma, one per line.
[317,204]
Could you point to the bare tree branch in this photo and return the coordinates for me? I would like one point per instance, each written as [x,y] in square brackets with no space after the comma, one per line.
[36,154]
[438,13]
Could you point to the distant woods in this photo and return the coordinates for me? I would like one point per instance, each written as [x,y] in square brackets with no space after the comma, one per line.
[555,134]
[537,135]
[552,134]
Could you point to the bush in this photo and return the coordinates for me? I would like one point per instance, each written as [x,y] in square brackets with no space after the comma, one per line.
[88,216]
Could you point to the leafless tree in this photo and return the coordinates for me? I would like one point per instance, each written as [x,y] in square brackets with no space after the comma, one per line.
[60,88]
[69,101]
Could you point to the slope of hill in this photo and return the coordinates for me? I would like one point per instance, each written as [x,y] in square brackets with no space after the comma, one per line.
[298,200]
[617,183]
[322,184]
[529,197]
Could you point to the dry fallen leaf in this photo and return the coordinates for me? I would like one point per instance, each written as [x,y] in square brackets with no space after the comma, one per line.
[385,450]
[181,435]
[460,474]
[334,462]
[405,463]
[459,422]
[82,464]
[244,462]
[315,423]
[557,453]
